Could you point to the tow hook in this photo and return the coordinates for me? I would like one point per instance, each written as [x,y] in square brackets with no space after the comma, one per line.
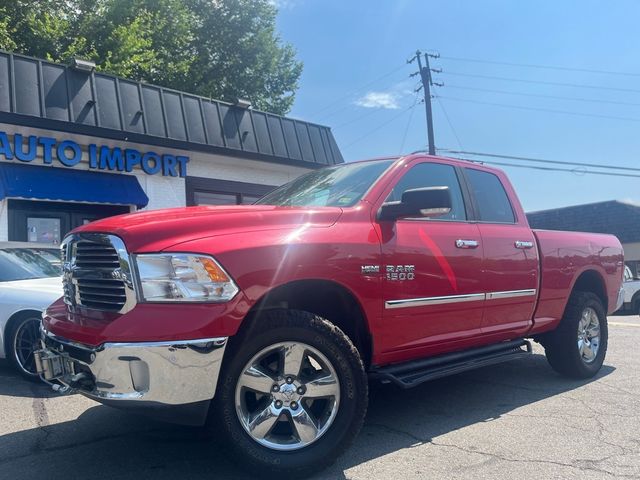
[80,380]
[60,389]
[77,381]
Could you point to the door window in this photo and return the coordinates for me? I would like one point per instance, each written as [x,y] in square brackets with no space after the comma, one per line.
[433,175]
[493,202]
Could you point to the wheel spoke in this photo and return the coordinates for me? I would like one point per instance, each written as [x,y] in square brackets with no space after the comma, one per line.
[257,379]
[326,386]
[33,330]
[585,319]
[29,364]
[304,425]
[293,357]
[587,351]
[593,331]
[263,422]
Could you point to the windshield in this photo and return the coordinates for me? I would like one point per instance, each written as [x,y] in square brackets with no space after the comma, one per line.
[341,186]
[25,264]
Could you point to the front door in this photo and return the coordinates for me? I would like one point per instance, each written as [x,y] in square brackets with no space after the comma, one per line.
[432,271]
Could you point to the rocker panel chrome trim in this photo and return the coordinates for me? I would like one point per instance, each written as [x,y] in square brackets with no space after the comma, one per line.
[511,294]
[427,301]
[471,297]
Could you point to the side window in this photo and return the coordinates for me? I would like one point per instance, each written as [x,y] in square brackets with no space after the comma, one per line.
[491,197]
[433,175]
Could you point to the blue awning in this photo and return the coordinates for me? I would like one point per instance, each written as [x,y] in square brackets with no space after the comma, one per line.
[69,185]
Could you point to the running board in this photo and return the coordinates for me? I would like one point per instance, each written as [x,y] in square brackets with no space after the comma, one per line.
[411,374]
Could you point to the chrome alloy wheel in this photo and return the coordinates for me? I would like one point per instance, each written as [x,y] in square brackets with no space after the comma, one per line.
[287,396]
[589,335]
[25,342]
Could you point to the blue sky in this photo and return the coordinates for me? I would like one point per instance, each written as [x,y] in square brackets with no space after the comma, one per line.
[355,80]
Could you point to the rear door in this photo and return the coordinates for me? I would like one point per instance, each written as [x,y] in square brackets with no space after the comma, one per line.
[510,265]
[431,270]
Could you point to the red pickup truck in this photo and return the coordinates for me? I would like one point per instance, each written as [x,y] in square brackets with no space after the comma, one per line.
[265,322]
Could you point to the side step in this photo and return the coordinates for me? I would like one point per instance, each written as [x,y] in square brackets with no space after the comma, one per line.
[410,374]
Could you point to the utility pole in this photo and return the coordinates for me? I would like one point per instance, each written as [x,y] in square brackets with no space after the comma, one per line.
[427,83]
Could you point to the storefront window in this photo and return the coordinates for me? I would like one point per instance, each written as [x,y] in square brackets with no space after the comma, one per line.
[209,191]
[43,230]
[212,198]
[249,199]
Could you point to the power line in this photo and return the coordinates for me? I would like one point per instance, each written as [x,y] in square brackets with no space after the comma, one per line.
[403,112]
[359,89]
[406,129]
[453,130]
[349,104]
[547,67]
[540,82]
[539,160]
[554,97]
[538,109]
[554,169]
[368,113]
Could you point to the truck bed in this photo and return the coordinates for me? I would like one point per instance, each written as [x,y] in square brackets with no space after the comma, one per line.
[570,257]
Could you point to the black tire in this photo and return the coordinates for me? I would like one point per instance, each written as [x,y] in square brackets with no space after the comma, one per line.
[561,345]
[635,305]
[23,324]
[271,328]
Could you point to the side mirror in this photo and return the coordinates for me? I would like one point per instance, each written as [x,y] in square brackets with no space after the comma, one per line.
[418,202]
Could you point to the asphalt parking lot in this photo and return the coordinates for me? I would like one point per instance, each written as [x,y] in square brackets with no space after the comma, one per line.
[517,420]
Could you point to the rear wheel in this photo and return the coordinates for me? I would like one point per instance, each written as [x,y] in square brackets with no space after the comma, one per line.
[578,346]
[292,396]
[23,340]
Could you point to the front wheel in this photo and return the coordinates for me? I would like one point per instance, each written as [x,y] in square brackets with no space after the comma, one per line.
[578,346]
[24,340]
[293,394]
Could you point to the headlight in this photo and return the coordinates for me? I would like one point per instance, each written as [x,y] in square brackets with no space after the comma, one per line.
[183,277]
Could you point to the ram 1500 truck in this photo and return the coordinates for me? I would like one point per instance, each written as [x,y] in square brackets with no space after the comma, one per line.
[266,322]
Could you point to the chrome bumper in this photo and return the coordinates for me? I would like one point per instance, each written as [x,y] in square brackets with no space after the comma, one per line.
[166,373]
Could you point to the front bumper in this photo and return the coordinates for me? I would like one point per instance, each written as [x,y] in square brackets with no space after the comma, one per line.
[158,373]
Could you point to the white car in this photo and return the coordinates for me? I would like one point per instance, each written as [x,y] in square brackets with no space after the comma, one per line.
[29,282]
[631,287]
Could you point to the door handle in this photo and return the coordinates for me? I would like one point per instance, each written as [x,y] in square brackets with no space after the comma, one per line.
[466,243]
[523,245]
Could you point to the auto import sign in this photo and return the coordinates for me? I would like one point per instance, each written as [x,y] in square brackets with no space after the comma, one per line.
[101,157]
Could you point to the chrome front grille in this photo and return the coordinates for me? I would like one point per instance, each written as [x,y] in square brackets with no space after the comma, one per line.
[96,255]
[97,273]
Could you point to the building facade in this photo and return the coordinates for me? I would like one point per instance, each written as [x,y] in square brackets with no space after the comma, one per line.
[618,218]
[77,145]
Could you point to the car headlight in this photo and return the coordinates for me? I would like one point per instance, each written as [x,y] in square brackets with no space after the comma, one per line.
[183,277]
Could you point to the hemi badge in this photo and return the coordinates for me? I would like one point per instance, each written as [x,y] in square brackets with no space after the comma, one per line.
[369,269]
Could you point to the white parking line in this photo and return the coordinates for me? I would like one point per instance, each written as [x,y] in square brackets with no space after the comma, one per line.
[620,324]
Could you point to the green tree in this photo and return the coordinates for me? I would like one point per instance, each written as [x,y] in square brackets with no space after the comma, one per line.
[223,49]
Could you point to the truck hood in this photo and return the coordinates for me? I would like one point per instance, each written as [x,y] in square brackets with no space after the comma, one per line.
[157,230]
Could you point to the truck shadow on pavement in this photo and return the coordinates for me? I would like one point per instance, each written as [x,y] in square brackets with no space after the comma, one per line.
[106,443]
